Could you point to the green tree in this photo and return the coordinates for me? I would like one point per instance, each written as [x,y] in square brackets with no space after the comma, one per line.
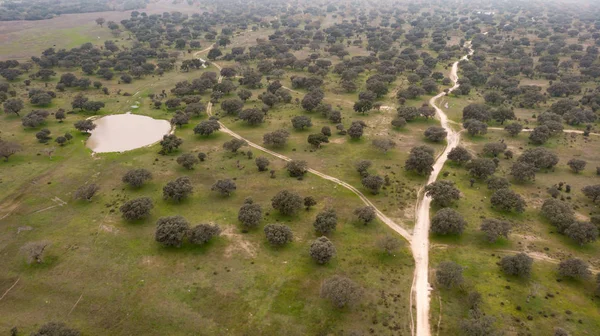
[250,214]
[325,222]
[137,177]
[447,222]
[136,209]
[574,268]
[443,192]
[224,187]
[203,233]
[322,250]
[494,229]
[287,202]
[340,291]
[420,160]
[278,234]
[178,189]
[518,264]
[507,200]
[171,231]
[449,274]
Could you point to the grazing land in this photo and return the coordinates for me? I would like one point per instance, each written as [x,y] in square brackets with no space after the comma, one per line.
[386,168]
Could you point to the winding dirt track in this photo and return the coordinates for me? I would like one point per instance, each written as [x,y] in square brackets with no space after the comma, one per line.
[419,239]
[393,225]
[531,130]
[420,242]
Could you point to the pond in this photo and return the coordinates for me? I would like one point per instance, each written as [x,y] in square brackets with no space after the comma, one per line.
[123,132]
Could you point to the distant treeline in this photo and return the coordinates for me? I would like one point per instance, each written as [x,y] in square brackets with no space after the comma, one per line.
[47,9]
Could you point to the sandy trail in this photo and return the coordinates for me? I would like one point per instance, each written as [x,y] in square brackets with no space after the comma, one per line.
[531,130]
[420,241]
[389,222]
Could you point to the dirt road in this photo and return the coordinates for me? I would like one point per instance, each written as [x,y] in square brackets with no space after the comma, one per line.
[393,225]
[531,130]
[420,241]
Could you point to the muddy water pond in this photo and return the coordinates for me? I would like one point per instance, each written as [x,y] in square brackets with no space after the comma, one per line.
[123,132]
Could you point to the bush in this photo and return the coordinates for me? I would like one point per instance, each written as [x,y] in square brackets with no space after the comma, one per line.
[574,268]
[576,165]
[481,168]
[478,325]
[494,148]
[447,221]
[507,200]
[449,274]
[514,129]
[558,213]
[560,332]
[365,214]
[137,177]
[34,251]
[474,300]
[435,133]
[322,250]
[341,291]
[276,138]
[373,183]
[443,192]
[188,161]
[262,163]
[296,168]
[362,166]
[399,122]
[203,233]
[169,143]
[540,135]
[300,122]
[207,127]
[287,202]
[384,144]
[325,222]
[278,235]
[250,215]
[86,192]
[539,157]
[85,125]
[592,191]
[224,187]
[136,209]
[309,201]
[178,190]
[582,232]
[420,160]
[170,231]
[34,118]
[459,155]
[496,183]
[523,171]
[234,144]
[494,229]
[56,329]
[388,244]
[519,265]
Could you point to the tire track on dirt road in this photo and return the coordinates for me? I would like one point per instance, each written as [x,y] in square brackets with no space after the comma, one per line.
[420,243]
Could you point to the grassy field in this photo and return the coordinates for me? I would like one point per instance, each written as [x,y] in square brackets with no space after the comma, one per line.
[544,302]
[124,277]
[104,275]
[22,39]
